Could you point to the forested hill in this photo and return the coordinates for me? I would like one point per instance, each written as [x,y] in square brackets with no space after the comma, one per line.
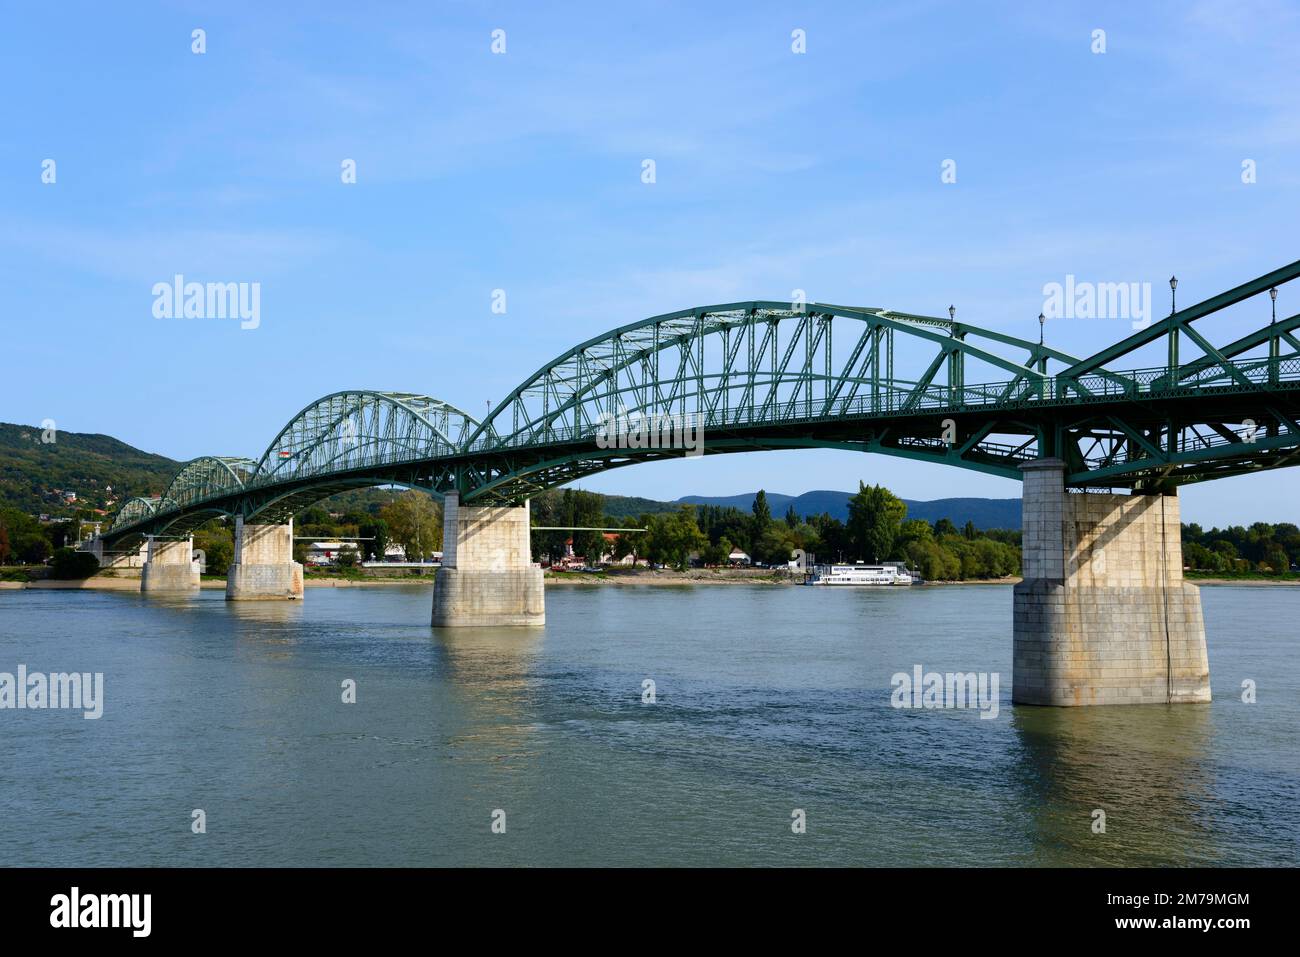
[32,467]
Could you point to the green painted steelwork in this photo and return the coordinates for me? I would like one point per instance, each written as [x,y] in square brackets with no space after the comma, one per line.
[765,375]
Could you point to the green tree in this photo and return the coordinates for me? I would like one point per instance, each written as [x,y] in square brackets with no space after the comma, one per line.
[791,517]
[774,546]
[415,523]
[29,542]
[719,522]
[629,543]
[315,515]
[762,517]
[833,538]
[716,553]
[673,537]
[375,529]
[584,509]
[875,520]
[914,530]
[547,510]
[1196,556]
[216,541]
[69,564]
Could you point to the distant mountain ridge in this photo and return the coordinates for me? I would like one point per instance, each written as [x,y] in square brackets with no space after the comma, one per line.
[983,512]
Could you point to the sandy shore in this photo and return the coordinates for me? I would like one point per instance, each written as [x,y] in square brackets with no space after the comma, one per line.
[207,584]
[94,584]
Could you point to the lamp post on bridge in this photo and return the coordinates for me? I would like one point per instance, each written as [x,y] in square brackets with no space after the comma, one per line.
[1173,330]
[1273,351]
[1042,355]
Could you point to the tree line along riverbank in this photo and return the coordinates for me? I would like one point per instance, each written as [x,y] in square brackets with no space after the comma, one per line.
[876,529]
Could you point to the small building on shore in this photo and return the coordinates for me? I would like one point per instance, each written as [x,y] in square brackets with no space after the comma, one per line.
[327,553]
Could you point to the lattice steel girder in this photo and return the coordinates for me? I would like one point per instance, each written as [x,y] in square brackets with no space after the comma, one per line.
[1172,323]
[355,429]
[624,368]
[1187,467]
[1160,439]
[206,477]
[132,512]
[764,375]
[1257,338]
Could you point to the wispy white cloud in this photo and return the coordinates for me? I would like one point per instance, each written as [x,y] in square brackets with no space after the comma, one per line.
[151,255]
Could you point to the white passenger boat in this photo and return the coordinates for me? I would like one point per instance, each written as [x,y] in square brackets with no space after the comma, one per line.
[888,573]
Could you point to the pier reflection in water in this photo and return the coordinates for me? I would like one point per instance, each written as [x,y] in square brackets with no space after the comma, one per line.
[1150,769]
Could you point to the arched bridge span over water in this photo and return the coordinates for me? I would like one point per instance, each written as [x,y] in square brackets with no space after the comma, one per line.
[1102,615]
[778,375]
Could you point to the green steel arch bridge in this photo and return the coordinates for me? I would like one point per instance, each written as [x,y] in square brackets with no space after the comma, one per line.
[778,375]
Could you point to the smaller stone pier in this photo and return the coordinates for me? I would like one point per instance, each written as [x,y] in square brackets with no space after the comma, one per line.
[170,566]
[263,569]
[488,577]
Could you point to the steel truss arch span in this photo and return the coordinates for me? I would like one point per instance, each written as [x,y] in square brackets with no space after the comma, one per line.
[206,477]
[623,370]
[351,430]
[761,375]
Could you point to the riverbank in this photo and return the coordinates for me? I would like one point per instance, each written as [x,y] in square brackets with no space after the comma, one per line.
[668,576]
[617,578]
[708,576]
[106,583]
[1246,582]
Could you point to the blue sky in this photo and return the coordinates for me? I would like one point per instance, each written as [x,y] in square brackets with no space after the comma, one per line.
[521,171]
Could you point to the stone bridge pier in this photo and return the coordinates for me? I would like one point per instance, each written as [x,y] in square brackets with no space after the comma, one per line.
[170,566]
[1103,615]
[487,577]
[263,568]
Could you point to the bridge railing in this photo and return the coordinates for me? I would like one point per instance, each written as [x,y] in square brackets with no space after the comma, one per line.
[906,398]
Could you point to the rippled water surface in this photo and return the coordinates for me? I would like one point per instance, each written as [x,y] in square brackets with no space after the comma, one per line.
[769,699]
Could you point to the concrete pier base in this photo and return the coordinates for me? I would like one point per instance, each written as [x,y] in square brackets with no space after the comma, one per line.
[169,566]
[487,577]
[263,569]
[1103,615]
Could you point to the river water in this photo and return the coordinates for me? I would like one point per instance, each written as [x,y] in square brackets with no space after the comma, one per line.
[768,701]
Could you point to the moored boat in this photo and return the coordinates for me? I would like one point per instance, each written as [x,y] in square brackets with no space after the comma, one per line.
[886,573]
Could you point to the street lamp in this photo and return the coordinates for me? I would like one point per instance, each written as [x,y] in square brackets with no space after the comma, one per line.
[1272,294]
[1042,321]
[1173,297]
[952,312]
